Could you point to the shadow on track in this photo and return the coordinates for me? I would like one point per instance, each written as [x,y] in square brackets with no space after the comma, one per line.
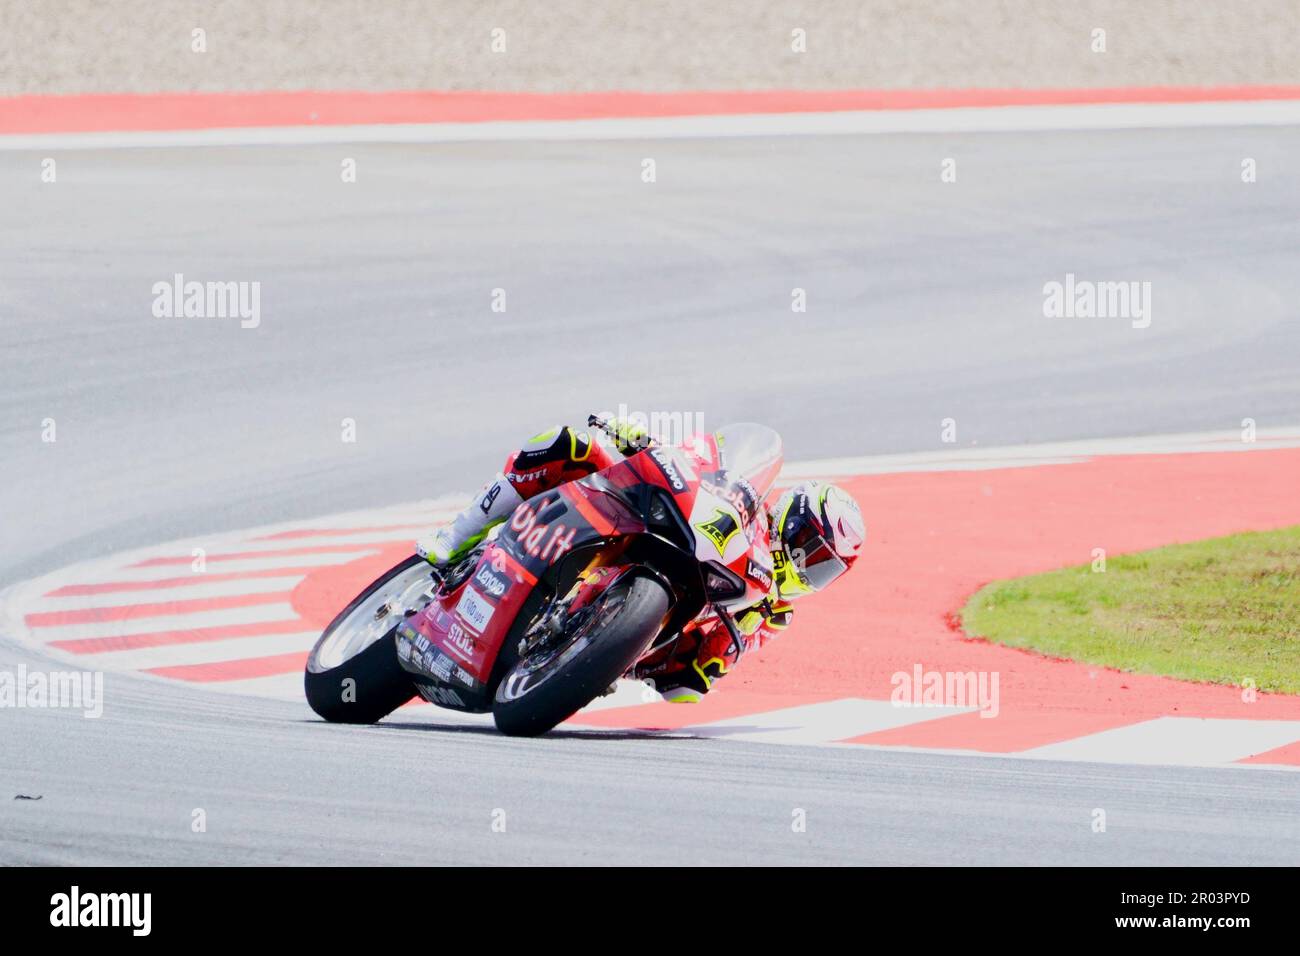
[488,731]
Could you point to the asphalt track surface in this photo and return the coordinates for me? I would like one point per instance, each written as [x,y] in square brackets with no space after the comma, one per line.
[925,302]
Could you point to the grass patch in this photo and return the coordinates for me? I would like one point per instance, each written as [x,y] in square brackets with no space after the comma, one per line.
[1222,610]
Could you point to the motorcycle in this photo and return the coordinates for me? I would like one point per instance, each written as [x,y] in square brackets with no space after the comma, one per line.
[579,585]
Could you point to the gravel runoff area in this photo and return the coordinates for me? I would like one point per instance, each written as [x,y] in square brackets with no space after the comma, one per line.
[88,46]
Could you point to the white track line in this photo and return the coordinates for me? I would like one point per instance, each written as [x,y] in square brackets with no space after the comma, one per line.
[1053,453]
[1186,741]
[153,572]
[354,539]
[202,652]
[344,538]
[630,693]
[286,687]
[181,592]
[982,119]
[821,723]
[256,614]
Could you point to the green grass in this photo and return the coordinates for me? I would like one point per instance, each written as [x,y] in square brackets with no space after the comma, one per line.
[1222,610]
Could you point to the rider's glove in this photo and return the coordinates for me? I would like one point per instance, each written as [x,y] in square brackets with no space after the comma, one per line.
[629,437]
[775,614]
[779,614]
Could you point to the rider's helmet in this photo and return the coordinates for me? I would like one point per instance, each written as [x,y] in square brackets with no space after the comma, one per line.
[820,531]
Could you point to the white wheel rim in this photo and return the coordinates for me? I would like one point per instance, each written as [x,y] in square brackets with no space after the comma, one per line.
[375,616]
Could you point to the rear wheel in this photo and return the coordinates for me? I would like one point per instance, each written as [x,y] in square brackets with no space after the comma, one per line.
[353,675]
[556,681]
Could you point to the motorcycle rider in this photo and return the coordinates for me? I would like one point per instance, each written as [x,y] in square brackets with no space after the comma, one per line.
[814,532]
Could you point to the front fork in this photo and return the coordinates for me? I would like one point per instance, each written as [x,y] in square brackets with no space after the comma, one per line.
[570,610]
[737,642]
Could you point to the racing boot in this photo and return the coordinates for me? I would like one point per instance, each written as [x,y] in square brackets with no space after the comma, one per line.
[545,461]
[489,508]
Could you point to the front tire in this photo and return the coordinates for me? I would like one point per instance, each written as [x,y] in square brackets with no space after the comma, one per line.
[353,675]
[533,697]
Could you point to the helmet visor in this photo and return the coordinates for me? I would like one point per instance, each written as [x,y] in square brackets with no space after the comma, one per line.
[814,559]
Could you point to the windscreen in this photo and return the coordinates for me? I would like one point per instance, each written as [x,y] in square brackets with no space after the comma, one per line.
[750,456]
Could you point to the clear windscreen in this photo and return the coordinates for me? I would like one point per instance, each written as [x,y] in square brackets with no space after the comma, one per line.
[750,456]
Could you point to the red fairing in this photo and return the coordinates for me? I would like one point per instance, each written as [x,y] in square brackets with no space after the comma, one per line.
[658,467]
[470,623]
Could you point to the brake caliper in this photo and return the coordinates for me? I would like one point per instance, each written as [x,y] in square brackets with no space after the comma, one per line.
[570,611]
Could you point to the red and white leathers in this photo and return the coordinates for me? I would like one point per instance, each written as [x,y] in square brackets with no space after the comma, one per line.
[683,670]
[552,458]
[686,669]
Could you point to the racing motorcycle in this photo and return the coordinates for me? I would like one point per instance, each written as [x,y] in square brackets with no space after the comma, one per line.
[566,596]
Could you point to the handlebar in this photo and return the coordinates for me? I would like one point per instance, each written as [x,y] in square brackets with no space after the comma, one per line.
[595,421]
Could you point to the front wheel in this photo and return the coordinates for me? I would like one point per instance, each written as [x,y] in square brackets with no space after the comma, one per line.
[554,683]
[353,675]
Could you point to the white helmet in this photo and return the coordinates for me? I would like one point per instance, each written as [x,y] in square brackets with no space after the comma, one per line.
[821,531]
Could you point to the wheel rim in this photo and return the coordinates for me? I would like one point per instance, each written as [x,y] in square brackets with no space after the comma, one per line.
[375,616]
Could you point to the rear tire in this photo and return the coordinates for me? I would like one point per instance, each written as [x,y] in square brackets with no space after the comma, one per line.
[531,702]
[379,684]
